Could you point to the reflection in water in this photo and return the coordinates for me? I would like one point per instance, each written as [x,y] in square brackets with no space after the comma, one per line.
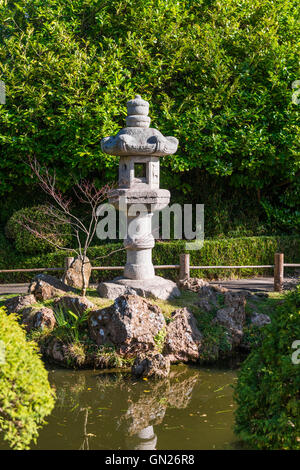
[148,407]
[192,409]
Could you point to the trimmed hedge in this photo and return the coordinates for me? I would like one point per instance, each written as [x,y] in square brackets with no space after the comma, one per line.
[38,219]
[240,251]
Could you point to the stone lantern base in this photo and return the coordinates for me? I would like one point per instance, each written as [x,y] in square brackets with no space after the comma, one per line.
[157,287]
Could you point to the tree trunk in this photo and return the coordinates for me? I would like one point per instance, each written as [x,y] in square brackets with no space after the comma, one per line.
[84,286]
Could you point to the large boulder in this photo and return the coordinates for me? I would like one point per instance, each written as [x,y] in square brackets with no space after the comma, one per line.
[76,304]
[233,316]
[130,324]
[183,339]
[111,290]
[38,318]
[73,275]
[18,303]
[156,288]
[151,365]
[44,287]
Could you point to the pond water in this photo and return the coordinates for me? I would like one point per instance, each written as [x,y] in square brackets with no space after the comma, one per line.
[192,409]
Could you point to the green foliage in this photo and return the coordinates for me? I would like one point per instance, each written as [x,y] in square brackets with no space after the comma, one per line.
[70,326]
[253,336]
[107,357]
[214,344]
[159,339]
[218,75]
[283,217]
[27,242]
[75,354]
[79,350]
[25,393]
[267,392]
[231,251]
[243,252]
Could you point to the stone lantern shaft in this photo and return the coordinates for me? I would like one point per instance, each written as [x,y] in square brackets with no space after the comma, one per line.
[140,148]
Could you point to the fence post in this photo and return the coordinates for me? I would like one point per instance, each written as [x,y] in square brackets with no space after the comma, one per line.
[184,271]
[278,271]
[68,261]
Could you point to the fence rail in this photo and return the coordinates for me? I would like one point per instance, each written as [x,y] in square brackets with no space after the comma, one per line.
[184,268]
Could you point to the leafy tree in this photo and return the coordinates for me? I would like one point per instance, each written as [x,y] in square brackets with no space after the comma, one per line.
[218,75]
[267,392]
[25,393]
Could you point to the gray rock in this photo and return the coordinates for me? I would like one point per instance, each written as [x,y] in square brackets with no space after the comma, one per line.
[233,316]
[194,284]
[73,275]
[207,304]
[260,319]
[130,325]
[183,338]
[111,290]
[38,318]
[157,288]
[44,287]
[208,297]
[236,300]
[18,303]
[226,317]
[55,351]
[44,318]
[151,365]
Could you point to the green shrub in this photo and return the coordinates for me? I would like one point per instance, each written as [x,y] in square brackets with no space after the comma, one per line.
[283,217]
[25,393]
[25,241]
[218,76]
[267,392]
[230,251]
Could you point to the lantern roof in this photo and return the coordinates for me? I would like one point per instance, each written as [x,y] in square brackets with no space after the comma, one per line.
[137,138]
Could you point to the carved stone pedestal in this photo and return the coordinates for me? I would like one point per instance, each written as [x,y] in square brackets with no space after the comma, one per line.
[157,288]
[138,196]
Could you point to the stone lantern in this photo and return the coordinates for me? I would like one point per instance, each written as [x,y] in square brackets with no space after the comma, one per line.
[138,195]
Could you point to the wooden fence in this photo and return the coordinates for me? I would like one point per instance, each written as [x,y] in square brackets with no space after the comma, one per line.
[184,268]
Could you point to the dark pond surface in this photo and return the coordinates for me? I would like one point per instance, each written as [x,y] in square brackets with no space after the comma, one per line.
[192,409]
